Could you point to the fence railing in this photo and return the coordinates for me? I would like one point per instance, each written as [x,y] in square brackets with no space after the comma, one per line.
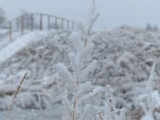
[35,21]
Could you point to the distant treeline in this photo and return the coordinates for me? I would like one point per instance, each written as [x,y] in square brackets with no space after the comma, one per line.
[149,27]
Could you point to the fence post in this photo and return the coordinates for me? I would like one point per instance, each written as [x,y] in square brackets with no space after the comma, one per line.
[67,24]
[10,30]
[72,25]
[61,23]
[55,22]
[17,23]
[32,22]
[48,23]
[41,18]
[22,24]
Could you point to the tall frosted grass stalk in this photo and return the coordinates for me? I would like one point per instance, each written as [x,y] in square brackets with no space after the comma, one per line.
[17,91]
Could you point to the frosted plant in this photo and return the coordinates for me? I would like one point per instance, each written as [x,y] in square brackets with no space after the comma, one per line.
[82,91]
[86,32]
[149,87]
[110,111]
[150,100]
[82,66]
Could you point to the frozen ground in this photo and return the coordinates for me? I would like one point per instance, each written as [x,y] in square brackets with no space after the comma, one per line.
[52,114]
[125,56]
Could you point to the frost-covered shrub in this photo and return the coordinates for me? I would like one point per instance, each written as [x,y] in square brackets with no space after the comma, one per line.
[79,107]
[82,90]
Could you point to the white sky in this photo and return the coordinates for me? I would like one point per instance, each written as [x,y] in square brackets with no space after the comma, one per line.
[113,13]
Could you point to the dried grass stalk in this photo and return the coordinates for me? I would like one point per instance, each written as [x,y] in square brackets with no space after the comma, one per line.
[17,91]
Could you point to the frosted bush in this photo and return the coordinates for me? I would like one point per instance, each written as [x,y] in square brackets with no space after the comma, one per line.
[82,90]
[78,108]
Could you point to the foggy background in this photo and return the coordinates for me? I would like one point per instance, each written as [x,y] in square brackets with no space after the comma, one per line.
[128,58]
[113,13]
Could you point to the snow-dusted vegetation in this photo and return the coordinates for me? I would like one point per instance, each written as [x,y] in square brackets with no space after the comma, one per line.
[122,62]
[87,74]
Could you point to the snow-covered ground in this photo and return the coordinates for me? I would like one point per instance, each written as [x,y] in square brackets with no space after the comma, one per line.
[10,49]
[50,114]
[125,56]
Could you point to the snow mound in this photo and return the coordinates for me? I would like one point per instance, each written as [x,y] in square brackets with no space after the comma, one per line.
[15,46]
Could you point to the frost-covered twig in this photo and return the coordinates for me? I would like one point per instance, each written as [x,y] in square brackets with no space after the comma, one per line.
[87,31]
[110,109]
